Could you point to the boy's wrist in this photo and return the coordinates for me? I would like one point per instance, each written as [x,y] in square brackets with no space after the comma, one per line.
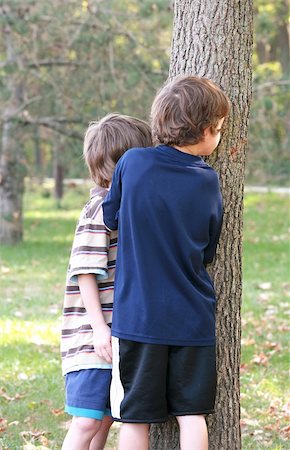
[98,324]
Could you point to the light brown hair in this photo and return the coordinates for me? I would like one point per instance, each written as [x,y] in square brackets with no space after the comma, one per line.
[107,140]
[184,107]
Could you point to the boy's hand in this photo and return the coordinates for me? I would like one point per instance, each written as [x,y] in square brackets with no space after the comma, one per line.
[102,342]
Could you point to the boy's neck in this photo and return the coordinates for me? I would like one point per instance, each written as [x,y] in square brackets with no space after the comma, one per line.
[195,150]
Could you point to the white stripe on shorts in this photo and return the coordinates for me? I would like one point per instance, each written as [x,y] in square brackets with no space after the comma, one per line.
[117,390]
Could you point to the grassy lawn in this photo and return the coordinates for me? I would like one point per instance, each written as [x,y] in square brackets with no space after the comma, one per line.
[32,281]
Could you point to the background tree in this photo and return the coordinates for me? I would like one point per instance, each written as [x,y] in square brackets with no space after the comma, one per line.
[66,63]
[213,39]
[269,131]
[62,65]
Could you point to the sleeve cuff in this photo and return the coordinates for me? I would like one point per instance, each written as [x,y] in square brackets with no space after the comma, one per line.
[101,274]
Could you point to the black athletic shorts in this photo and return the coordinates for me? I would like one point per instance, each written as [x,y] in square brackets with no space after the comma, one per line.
[152,381]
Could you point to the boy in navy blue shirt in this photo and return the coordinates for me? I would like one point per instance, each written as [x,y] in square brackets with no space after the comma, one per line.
[167,206]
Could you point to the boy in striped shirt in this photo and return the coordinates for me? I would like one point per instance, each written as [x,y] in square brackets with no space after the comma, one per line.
[88,302]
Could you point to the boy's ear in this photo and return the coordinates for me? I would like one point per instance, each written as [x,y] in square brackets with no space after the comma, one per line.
[207,132]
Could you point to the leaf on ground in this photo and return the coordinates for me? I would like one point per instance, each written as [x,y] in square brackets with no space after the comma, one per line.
[286,431]
[3,424]
[264,296]
[265,286]
[22,376]
[14,423]
[272,427]
[273,346]
[284,328]
[57,411]
[286,410]
[3,394]
[271,313]
[248,341]
[258,435]
[250,422]
[243,368]
[38,436]
[261,359]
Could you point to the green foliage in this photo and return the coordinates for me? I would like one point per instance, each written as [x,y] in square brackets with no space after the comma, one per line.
[32,282]
[269,138]
[76,61]
[79,61]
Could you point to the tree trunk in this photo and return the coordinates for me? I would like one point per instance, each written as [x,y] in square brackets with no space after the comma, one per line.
[213,39]
[38,155]
[58,171]
[11,189]
[281,45]
[12,169]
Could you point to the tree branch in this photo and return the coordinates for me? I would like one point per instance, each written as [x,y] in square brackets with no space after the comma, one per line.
[269,84]
[53,123]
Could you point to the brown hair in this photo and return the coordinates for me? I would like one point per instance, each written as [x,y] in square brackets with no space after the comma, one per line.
[184,107]
[107,140]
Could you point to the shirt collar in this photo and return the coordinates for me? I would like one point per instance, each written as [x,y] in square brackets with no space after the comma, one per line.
[98,190]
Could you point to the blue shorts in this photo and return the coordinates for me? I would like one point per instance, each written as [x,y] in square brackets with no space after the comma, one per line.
[88,393]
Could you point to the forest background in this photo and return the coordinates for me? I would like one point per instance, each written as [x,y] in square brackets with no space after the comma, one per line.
[67,63]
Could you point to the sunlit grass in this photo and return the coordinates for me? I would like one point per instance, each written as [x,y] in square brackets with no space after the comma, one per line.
[265,323]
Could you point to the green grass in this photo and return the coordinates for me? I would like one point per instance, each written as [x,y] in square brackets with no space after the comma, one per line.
[265,323]
[32,284]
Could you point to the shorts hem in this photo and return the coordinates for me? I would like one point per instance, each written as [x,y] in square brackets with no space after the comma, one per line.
[87,412]
[192,413]
[141,420]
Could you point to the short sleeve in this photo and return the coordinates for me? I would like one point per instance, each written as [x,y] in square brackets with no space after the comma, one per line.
[90,248]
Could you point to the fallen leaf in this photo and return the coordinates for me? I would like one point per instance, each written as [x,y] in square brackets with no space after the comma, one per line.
[286,410]
[264,296]
[36,435]
[3,394]
[260,359]
[274,346]
[14,423]
[286,431]
[248,341]
[3,425]
[265,286]
[244,368]
[272,427]
[57,411]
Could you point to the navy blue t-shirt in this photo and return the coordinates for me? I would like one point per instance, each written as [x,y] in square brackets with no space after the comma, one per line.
[167,207]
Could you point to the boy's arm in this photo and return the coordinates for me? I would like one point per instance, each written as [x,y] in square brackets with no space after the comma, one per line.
[101,331]
[111,203]
[210,250]
[215,224]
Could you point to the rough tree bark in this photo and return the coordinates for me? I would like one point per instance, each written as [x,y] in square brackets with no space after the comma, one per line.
[213,39]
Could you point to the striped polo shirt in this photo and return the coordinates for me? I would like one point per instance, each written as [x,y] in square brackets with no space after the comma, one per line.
[93,252]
